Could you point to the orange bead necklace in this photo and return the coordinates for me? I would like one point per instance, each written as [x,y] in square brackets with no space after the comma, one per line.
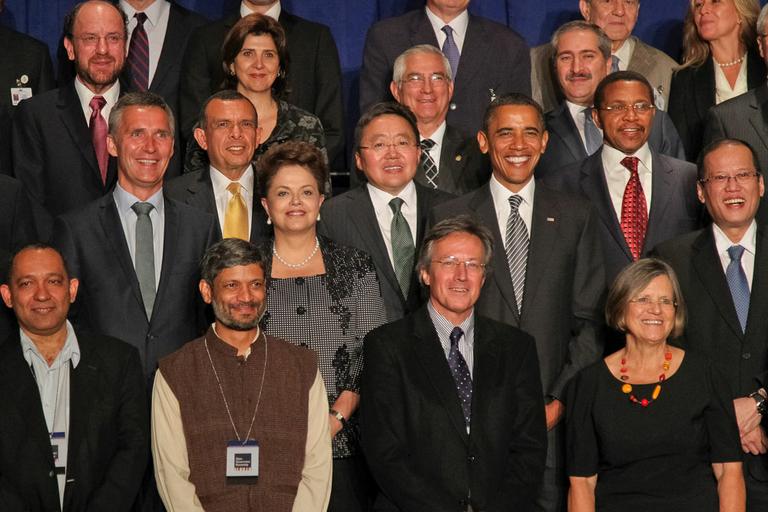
[626,388]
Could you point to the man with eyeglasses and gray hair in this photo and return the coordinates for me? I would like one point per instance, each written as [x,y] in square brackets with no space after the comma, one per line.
[422,80]
[723,271]
[452,416]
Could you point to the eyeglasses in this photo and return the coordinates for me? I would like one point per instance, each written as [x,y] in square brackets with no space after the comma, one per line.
[451,264]
[400,145]
[622,108]
[740,177]
[418,80]
[645,302]
[91,40]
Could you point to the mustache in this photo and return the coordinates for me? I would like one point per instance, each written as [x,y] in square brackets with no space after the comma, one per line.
[249,304]
[585,75]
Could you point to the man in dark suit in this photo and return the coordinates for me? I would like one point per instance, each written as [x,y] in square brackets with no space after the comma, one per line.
[314,75]
[581,60]
[57,450]
[228,131]
[628,52]
[472,47]
[642,197]
[135,251]
[723,273]
[452,410]
[365,218]
[422,81]
[548,280]
[59,137]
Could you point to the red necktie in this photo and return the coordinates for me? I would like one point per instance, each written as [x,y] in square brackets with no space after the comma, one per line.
[138,55]
[99,135]
[634,212]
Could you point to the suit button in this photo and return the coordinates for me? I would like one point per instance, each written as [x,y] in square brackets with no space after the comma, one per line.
[299,281]
[453,106]
[51,474]
[746,355]
[300,310]
[471,459]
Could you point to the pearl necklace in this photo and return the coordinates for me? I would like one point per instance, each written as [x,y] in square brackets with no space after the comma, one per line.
[297,265]
[626,388]
[731,63]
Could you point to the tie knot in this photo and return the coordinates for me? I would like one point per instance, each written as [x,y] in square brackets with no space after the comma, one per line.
[456,335]
[97,102]
[141,17]
[142,208]
[630,162]
[514,203]
[396,204]
[427,144]
[448,30]
[735,252]
[234,188]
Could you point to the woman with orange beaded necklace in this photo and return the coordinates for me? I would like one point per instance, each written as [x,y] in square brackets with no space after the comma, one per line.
[651,427]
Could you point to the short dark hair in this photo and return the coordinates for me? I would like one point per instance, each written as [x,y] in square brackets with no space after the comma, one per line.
[222,95]
[701,172]
[33,246]
[255,25]
[516,99]
[292,152]
[620,76]
[383,109]
[138,99]
[228,253]
[458,224]
[71,17]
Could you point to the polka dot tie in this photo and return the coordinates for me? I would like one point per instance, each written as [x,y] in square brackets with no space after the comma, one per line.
[460,373]
[634,210]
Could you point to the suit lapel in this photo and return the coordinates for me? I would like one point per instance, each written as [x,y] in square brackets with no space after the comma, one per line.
[482,204]
[661,187]
[704,93]
[422,32]
[707,266]
[757,319]
[758,117]
[172,45]
[562,124]
[474,54]
[170,246]
[544,228]
[431,357]
[641,61]
[485,370]
[72,117]
[451,165]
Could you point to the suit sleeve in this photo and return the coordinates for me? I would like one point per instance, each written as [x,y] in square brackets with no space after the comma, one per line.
[671,143]
[370,314]
[123,477]
[384,437]
[678,99]
[314,491]
[195,84]
[713,127]
[46,81]
[328,103]
[169,451]
[63,239]
[23,224]
[376,72]
[585,345]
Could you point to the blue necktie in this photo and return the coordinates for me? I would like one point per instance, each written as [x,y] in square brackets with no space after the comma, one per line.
[614,64]
[450,50]
[592,136]
[737,282]
[460,372]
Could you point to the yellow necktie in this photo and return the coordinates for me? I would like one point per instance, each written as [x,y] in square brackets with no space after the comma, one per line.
[236,216]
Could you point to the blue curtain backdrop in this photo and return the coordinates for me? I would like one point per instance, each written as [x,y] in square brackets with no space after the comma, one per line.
[660,22]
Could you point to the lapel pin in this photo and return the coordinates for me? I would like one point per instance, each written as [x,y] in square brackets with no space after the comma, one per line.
[550,219]
[458,158]
[492,95]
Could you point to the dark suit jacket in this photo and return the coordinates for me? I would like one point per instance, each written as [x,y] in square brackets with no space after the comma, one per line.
[108,433]
[462,166]
[196,190]
[109,299]
[349,219]
[675,210]
[564,286]
[692,93]
[712,326]
[53,155]
[314,75]
[412,426]
[565,147]
[480,68]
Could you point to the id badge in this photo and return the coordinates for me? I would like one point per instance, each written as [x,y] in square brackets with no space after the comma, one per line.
[18,94]
[242,459]
[59,449]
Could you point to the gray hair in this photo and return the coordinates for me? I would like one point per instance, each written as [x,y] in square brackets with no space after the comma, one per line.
[138,99]
[603,43]
[761,20]
[458,224]
[228,253]
[398,70]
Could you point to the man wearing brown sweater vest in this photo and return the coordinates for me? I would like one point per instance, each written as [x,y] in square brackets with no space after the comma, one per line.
[240,419]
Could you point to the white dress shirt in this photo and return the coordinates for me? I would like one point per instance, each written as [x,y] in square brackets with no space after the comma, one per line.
[273,12]
[617,176]
[437,138]
[155,26]
[123,201]
[111,96]
[723,89]
[222,196]
[501,194]
[624,53]
[384,215]
[748,242]
[458,24]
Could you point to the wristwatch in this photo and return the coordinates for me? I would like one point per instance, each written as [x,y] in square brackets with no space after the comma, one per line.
[760,401]
[336,414]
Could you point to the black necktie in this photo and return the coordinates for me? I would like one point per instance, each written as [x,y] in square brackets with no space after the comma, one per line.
[460,372]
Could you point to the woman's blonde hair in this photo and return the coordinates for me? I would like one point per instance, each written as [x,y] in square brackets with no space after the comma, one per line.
[696,50]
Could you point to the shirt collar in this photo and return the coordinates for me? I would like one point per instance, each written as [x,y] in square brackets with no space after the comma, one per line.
[443,326]
[222,182]
[381,199]
[111,95]
[748,241]
[437,135]
[153,12]
[124,199]
[69,352]
[220,345]
[613,157]
[624,53]
[501,194]
[574,108]
[273,12]
[458,24]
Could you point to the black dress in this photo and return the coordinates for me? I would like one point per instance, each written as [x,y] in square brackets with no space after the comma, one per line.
[658,457]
